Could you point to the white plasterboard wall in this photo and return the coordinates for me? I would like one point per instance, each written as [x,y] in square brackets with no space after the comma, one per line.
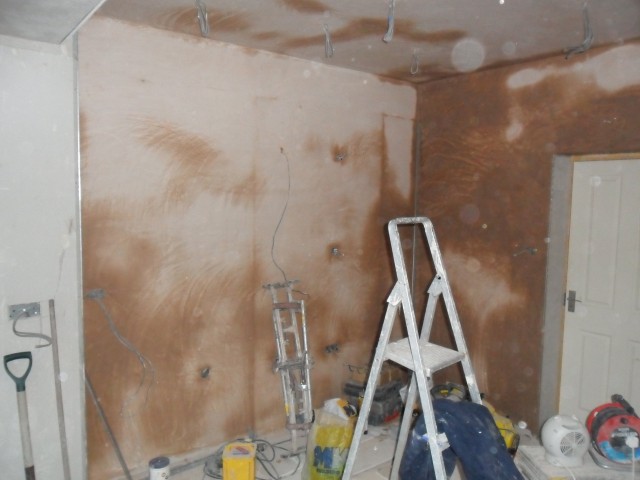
[40,249]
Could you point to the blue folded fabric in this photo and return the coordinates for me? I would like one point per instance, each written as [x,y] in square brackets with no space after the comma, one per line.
[474,439]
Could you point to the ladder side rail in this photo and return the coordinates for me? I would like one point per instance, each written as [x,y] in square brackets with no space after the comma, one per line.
[293,317]
[424,390]
[295,329]
[461,344]
[372,382]
[306,357]
[440,281]
[405,427]
[301,399]
[277,328]
[452,312]
[289,396]
[289,288]
[412,334]
[301,394]
[403,435]
[273,292]
[303,324]
[428,415]
[407,302]
[285,375]
[306,367]
[308,405]
[435,289]
[398,257]
[275,319]
[405,296]
[280,339]
[284,371]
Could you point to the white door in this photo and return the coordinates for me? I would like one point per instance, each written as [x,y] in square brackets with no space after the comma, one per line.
[601,340]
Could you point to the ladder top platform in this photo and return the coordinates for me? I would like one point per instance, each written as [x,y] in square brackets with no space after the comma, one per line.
[434,357]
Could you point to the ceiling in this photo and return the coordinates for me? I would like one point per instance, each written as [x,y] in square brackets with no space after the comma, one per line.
[44,20]
[430,39]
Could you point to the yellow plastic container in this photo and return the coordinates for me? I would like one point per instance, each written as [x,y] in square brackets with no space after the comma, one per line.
[507,430]
[239,461]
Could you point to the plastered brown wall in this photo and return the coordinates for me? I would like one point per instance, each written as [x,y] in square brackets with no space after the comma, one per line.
[488,140]
[206,173]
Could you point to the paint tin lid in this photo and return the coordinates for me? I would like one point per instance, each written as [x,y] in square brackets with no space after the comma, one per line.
[159,462]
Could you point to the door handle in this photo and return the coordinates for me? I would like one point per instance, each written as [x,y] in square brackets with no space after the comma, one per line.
[571,301]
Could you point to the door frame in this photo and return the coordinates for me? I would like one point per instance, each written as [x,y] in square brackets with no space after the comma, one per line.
[556,275]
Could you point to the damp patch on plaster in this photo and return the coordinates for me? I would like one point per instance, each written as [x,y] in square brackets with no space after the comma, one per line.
[616,69]
[529,77]
[491,291]
[514,130]
[613,70]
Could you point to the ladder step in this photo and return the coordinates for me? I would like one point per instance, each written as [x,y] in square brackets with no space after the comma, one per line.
[434,357]
[287,306]
[293,363]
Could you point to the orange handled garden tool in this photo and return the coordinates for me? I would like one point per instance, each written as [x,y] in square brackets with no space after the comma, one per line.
[23,413]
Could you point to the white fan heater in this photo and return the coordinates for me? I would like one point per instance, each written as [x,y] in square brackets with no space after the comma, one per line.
[565,440]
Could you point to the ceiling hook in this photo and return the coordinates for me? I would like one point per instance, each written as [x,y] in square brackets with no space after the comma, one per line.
[203,18]
[415,65]
[328,46]
[588,36]
[390,22]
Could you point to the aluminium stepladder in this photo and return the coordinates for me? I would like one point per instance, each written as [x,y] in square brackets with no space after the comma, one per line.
[293,361]
[415,352]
